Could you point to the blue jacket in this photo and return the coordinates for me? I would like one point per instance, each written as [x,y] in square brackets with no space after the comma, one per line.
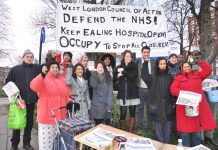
[173,69]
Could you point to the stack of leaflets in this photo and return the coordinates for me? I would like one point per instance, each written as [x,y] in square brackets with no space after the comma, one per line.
[199,147]
[99,137]
[139,144]
[102,139]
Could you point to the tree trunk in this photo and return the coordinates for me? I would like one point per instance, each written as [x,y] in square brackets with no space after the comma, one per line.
[213,52]
[205,26]
[181,44]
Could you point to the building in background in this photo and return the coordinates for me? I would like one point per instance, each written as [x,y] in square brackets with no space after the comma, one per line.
[194,36]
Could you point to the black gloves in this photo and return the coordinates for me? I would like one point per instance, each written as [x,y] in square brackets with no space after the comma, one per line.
[76,107]
[70,107]
[43,74]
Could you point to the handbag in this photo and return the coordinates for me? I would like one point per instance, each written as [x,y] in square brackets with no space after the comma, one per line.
[16,116]
[115,85]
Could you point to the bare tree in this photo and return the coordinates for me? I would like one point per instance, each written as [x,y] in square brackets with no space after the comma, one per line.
[177,18]
[4,27]
[208,45]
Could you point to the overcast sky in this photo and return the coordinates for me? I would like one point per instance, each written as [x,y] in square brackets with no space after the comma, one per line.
[21,11]
[22,34]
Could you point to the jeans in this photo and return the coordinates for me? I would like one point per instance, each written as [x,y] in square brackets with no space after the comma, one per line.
[27,130]
[213,108]
[162,130]
[196,139]
[144,96]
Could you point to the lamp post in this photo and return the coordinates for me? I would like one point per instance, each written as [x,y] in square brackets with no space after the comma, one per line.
[42,40]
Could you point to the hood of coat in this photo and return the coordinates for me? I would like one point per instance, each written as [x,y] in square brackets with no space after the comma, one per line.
[112,60]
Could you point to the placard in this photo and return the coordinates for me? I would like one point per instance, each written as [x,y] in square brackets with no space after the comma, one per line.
[207,84]
[10,89]
[188,98]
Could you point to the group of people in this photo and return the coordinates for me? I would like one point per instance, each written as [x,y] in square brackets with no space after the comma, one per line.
[141,82]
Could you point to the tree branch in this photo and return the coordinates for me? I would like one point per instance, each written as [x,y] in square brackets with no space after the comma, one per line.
[192,7]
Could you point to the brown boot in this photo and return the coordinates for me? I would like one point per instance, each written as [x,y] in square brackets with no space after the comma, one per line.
[123,125]
[131,124]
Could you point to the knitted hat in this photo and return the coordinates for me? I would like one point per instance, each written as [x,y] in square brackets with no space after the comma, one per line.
[27,51]
[173,55]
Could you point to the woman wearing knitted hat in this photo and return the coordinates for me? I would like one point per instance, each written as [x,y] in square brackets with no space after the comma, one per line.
[173,67]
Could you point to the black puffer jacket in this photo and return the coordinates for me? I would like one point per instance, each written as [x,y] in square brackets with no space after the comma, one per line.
[126,84]
[21,75]
[162,104]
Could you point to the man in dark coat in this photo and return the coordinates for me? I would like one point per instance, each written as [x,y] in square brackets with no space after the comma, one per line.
[145,69]
[21,75]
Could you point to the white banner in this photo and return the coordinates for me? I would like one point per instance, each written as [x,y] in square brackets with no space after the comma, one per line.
[111,28]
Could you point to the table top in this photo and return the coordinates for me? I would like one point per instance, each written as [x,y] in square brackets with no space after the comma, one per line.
[157,145]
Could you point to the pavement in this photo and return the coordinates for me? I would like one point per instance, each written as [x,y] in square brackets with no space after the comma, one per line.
[5,133]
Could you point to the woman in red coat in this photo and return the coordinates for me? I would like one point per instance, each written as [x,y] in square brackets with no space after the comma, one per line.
[189,80]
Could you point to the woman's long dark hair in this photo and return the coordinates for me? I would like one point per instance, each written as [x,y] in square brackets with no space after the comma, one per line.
[107,74]
[157,69]
[74,71]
